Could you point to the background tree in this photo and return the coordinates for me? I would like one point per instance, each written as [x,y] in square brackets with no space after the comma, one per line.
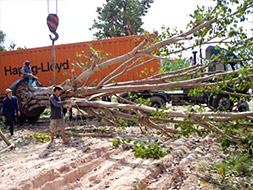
[13,46]
[120,18]
[2,36]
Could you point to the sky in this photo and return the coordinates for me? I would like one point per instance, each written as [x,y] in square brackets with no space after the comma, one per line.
[24,21]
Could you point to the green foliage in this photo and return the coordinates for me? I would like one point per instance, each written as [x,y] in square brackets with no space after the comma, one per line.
[120,18]
[138,99]
[39,137]
[239,128]
[2,122]
[2,36]
[151,150]
[180,63]
[145,72]
[187,129]
[248,142]
[45,113]
[238,165]
[116,142]
[226,25]
[144,150]
[126,123]
[3,126]
[229,83]
[83,61]
[159,114]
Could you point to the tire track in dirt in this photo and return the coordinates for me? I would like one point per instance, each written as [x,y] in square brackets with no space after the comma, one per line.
[104,167]
[70,170]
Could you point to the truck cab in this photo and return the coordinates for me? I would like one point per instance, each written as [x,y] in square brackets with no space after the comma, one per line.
[231,66]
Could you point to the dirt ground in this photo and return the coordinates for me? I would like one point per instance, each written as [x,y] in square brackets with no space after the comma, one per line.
[93,163]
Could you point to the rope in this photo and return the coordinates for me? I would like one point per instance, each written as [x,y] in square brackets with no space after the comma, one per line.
[10,146]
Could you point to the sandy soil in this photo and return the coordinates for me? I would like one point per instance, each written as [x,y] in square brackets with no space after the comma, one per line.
[93,163]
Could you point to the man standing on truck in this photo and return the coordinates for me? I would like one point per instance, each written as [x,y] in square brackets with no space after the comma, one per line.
[27,72]
[10,109]
[56,115]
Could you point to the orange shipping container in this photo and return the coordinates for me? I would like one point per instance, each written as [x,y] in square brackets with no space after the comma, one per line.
[11,62]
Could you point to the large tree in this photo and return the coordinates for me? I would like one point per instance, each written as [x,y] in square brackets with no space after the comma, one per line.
[219,25]
[120,18]
[2,36]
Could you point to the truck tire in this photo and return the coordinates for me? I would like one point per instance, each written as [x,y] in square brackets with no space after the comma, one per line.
[18,88]
[157,101]
[222,102]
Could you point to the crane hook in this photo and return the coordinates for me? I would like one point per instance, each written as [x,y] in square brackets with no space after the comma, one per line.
[56,36]
[52,22]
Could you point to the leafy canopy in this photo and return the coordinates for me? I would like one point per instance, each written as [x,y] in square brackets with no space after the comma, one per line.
[2,36]
[120,18]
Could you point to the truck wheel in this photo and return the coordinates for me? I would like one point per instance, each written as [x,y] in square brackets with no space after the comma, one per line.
[222,102]
[157,101]
[21,90]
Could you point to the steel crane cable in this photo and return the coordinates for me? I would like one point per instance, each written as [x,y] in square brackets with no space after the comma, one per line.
[48,6]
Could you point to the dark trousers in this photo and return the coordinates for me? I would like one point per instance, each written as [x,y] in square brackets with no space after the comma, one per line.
[10,121]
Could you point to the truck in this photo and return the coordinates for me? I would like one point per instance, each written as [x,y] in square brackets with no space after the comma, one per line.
[11,63]
[181,97]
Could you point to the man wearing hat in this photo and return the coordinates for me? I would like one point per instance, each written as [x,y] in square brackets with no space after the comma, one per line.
[56,115]
[10,109]
[27,72]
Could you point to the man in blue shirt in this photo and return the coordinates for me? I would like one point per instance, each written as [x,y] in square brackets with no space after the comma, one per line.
[10,109]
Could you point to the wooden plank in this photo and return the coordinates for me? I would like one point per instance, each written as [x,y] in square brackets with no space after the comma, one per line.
[4,138]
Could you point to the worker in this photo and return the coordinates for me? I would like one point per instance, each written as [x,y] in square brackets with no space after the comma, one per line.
[10,110]
[27,73]
[56,115]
